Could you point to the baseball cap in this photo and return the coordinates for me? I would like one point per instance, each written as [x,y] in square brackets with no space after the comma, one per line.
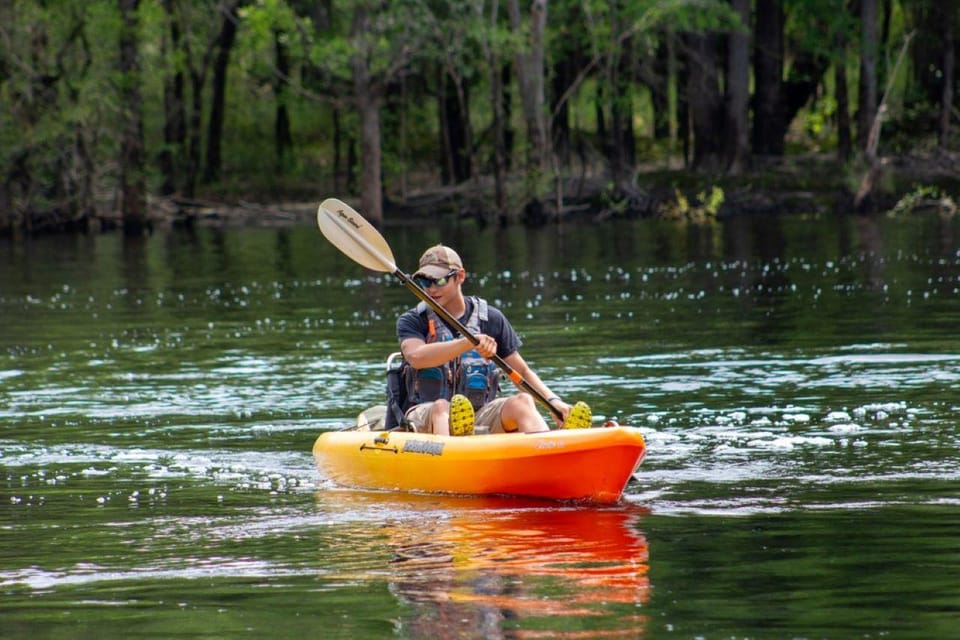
[438,261]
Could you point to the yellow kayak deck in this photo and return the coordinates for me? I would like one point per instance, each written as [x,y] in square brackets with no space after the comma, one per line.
[591,465]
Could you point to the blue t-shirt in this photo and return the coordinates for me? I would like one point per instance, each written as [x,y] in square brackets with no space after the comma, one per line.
[415,325]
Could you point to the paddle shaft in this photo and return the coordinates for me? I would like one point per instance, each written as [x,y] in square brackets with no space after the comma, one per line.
[355,227]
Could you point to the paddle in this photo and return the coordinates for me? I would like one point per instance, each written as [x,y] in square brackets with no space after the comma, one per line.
[359,240]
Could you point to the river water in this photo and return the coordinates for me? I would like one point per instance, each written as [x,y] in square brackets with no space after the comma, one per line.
[796,381]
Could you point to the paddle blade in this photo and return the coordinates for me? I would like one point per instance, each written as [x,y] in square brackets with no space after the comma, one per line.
[358,239]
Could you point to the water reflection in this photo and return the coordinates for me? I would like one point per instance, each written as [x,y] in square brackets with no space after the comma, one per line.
[509,567]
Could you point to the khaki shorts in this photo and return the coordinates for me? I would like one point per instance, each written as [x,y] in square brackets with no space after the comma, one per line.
[488,416]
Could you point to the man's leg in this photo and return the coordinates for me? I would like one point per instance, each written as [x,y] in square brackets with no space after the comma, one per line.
[431,417]
[515,413]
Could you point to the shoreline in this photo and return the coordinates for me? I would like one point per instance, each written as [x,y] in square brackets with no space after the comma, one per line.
[815,184]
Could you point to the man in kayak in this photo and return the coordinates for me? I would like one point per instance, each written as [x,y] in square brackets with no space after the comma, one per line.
[450,383]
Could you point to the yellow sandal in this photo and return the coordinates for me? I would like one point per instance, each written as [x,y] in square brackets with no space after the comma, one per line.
[461,416]
[580,417]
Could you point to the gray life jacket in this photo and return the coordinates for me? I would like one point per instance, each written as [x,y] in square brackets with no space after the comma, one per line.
[471,374]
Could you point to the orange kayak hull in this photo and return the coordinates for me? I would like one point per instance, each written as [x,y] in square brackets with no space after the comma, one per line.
[591,465]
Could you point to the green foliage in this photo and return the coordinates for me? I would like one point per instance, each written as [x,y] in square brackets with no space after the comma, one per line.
[703,208]
[816,25]
[263,23]
[924,198]
[59,102]
[380,38]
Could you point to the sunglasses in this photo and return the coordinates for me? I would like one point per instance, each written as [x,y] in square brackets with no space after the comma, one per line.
[425,282]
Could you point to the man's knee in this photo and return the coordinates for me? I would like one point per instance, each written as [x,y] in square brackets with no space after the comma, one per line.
[521,401]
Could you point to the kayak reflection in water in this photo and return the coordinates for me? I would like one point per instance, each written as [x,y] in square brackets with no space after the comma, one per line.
[486,573]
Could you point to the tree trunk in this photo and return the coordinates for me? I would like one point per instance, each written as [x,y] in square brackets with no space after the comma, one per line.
[454,129]
[777,101]
[443,127]
[862,199]
[737,145]
[867,111]
[563,75]
[618,142]
[228,34]
[623,110]
[509,133]
[6,198]
[404,140]
[174,110]
[658,84]
[282,138]
[193,133]
[367,101]
[132,170]
[338,169]
[499,154]
[352,162]
[949,69]
[599,104]
[706,103]
[768,78]
[371,187]
[683,100]
[6,209]
[530,80]
[844,139]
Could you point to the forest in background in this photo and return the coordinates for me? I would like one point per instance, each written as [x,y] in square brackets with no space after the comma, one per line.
[115,111]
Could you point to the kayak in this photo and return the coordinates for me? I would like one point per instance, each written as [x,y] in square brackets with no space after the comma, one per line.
[590,465]
[576,464]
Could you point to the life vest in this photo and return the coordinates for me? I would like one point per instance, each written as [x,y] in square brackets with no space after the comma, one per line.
[471,374]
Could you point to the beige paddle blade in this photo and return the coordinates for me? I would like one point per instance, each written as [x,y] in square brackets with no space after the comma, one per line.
[372,418]
[348,231]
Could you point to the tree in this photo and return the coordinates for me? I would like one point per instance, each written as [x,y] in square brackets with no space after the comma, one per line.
[361,62]
[706,101]
[431,83]
[171,155]
[282,135]
[737,142]
[202,26]
[862,199]
[224,42]
[499,153]
[367,96]
[948,13]
[455,30]
[49,129]
[768,78]
[133,194]
[620,142]
[844,139]
[781,90]
[867,110]
[529,63]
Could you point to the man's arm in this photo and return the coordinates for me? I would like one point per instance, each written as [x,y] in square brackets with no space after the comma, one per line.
[516,361]
[423,355]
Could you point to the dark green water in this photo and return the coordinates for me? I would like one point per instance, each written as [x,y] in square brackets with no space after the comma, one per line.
[796,382]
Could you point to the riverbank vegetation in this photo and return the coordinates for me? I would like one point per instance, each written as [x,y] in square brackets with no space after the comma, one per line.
[117,112]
